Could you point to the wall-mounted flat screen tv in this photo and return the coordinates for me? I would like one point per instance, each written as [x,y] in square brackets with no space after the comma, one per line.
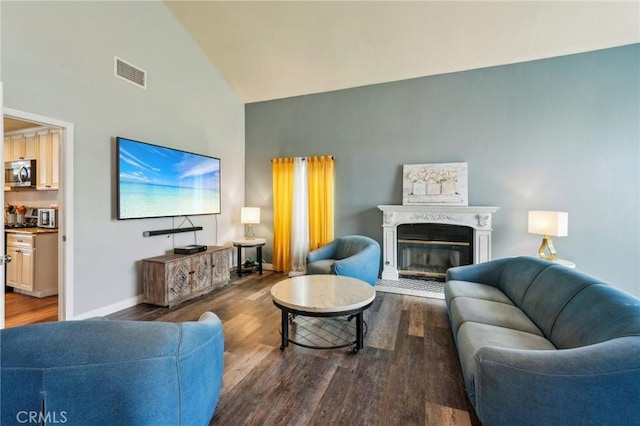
[154,181]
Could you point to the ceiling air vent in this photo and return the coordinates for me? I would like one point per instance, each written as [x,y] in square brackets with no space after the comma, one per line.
[130,73]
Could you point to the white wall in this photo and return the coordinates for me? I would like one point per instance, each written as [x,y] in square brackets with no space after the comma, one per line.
[58,62]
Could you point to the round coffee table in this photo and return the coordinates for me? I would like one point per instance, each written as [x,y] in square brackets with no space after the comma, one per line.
[323,296]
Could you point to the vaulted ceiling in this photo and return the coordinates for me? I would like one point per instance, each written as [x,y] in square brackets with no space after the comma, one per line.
[269,50]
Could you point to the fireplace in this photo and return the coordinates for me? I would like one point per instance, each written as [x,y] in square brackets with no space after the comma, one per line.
[427,250]
[424,241]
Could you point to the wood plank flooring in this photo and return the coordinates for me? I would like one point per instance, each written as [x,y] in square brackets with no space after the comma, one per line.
[20,309]
[407,374]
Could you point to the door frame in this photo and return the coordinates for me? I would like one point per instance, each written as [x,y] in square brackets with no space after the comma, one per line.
[65,195]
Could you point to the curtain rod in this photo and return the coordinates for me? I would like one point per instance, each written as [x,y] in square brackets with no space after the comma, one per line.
[304,158]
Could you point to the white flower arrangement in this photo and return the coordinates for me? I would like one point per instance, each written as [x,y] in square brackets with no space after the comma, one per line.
[435,184]
[432,175]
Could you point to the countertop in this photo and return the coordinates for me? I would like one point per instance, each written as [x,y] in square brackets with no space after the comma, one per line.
[31,230]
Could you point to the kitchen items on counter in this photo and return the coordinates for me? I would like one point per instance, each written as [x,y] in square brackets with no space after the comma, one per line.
[15,214]
[21,215]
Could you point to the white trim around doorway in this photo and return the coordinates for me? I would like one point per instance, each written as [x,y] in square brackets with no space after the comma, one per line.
[65,234]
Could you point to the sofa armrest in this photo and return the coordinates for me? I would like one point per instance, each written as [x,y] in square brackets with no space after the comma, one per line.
[364,265]
[210,318]
[488,273]
[322,253]
[595,384]
[200,365]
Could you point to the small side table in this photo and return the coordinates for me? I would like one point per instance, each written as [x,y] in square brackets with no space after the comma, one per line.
[567,263]
[563,262]
[255,242]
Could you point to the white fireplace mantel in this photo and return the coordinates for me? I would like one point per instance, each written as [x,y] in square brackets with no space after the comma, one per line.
[476,217]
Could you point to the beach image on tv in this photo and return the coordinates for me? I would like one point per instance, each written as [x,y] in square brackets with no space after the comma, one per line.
[156,182]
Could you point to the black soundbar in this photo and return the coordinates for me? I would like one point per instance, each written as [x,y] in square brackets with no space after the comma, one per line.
[171,231]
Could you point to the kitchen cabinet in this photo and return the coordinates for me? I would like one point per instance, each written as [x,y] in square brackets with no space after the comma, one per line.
[174,278]
[41,144]
[48,159]
[20,146]
[20,272]
[33,269]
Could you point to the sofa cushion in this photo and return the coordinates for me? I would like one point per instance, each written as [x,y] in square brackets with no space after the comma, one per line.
[348,246]
[353,256]
[464,309]
[455,289]
[597,313]
[549,293]
[472,336]
[518,274]
[323,266]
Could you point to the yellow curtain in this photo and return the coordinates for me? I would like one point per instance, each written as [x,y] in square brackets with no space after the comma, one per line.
[320,184]
[282,169]
[320,172]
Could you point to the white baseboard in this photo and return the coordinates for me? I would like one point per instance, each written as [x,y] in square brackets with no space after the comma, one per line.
[107,310]
[132,301]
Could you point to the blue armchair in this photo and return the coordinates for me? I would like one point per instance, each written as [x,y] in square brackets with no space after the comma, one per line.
[354,256]
[102,372]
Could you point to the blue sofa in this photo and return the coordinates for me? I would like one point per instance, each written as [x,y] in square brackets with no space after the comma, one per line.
[542,344]
[102,372]
[354,256]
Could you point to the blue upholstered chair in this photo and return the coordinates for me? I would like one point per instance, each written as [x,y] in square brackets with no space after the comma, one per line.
[102,372]
[354,256]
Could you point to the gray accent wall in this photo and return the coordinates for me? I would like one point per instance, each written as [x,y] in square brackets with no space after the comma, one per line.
[58,62]
[557,134]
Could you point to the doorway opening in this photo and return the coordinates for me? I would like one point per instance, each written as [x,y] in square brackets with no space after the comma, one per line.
[24,302]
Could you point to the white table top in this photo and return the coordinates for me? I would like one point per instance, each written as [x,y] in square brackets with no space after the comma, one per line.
[567,263]
[249,243]
[564,262]
[323,293]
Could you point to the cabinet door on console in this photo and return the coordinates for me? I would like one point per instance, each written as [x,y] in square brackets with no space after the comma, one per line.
[201,272]
[220,265]
[178,279]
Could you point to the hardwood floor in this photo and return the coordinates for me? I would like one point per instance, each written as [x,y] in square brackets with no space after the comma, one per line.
[20,309]
[407,374]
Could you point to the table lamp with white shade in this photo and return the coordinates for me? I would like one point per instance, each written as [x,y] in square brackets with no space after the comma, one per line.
[548,224]
[250,216]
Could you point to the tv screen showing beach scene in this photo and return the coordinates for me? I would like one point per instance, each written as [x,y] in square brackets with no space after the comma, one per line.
[155,181]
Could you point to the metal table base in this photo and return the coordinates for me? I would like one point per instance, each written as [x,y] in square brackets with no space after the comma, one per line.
[358,314]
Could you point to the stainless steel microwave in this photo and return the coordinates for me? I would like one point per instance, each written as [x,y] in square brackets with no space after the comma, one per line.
[20,174]
[47,218]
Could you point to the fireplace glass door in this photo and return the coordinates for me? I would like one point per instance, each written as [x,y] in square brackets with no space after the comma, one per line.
[427,250]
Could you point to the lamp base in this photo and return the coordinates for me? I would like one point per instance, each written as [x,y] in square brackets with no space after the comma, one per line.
[250,235]
[547,244]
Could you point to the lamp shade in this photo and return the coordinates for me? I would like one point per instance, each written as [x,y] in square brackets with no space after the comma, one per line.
[553,224]
[250,215]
